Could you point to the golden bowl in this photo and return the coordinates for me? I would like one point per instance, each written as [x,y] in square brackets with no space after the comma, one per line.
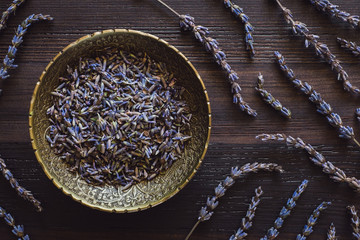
[145,194]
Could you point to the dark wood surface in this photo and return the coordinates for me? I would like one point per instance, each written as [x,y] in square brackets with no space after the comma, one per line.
[232,139]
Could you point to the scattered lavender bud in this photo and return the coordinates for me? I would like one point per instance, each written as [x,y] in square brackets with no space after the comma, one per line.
[273,232]
[238,12]
[321,49]
[352,46]
[323,107]
[269,99]
[11,9]
[333,10]
[317,158]
[246,222]
[308,228]
[212,202]
[18,230]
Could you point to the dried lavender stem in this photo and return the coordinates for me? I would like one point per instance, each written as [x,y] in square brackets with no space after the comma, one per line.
[22,192]
[321,49]
[18,230]
[308,228]
[11,9]
[332,233]
[333,10]
[355,222]
[317,158]
[273,232]
[239,13]
[187,23]
[246,222]
[268,98]
[8,62]
[357,114]
[352,46]
[212,202]
[323,107]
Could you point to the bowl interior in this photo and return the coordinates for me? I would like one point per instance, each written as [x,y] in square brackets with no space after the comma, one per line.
[144,194]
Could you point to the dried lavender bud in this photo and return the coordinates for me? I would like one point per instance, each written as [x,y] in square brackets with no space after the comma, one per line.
[332,233]
[22,192]
[239,13]
[11,9]
[321,49]
[119,119]
[8,62]
[317,158]
[187,23]
[18,230]
[268,98]
[355,222]
[285,212]
[323,107]
[357,114]
[246,222]
[308,228]
[352,46]
[333,10]
[212,202]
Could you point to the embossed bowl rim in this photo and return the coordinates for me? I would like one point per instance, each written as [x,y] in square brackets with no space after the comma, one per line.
[39,157]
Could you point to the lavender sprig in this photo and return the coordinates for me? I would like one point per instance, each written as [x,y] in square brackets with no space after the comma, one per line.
[273,232]
[321,49]
[317,158]
[8,62]
[11,9]
[18,230]
[332,233]
[355,222]
[22,192]
[333,10]
[212,202]
[323,107]
[268,98]
[308,228]
[239,13]
[352,46]
[187,23]
[246,222]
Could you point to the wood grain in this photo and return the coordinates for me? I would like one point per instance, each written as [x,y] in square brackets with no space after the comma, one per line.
[232,139]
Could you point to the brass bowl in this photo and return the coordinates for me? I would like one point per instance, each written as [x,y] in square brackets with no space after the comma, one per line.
[145,194]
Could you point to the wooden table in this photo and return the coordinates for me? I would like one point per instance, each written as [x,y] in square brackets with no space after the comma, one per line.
[233,133]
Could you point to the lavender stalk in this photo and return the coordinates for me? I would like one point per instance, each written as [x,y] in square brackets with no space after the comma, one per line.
[321,49]
[357,114]
[317,158]
[212,202]
[323,107]
[352,46]
[269,99]
[22,192]
[308,228]
[332,233]
[246,222]
[333,10]
[273,232]
[8,62]
[238,12]
[11,9]
[18,230]
[187,23]
[355,222]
